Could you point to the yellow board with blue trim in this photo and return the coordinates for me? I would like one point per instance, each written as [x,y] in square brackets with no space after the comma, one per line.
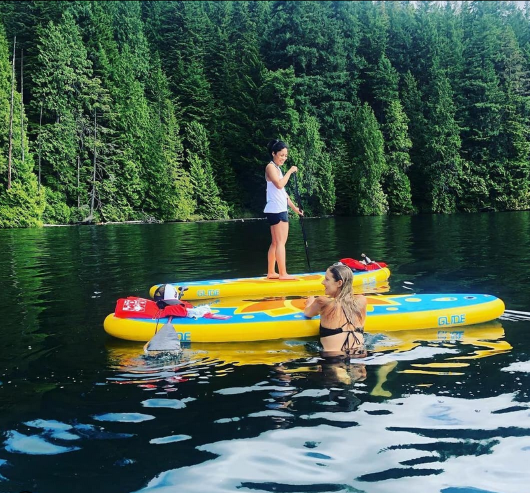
[261,286]
[488,339]
[258,319]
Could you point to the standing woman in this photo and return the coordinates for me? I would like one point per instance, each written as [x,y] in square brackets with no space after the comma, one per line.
[342,314]
[276,209]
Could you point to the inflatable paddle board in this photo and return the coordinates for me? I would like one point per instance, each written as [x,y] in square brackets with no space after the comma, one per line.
[487,339]
[257,319]
[261,286]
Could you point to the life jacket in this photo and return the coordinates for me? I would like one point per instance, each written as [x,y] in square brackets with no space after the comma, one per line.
[133,307]
[358,265]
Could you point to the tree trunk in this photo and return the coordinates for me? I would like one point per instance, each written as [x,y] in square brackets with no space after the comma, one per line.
[40,142]
[79,166]
[94,175]
[9,158]
[22,105]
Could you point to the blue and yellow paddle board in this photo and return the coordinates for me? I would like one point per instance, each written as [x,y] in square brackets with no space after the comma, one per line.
[257,319]
[261,286]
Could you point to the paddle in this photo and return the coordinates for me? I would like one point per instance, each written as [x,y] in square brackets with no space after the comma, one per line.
[301,220]
[165,340]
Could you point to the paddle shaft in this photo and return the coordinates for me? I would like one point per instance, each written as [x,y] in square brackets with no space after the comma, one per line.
[302,221]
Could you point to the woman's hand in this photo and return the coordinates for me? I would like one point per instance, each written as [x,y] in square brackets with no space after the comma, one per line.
[293,169]
[312,307]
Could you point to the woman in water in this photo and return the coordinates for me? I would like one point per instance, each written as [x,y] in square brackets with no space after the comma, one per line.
[342,314]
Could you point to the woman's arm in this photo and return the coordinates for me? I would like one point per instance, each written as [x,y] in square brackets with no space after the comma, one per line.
[314,305]
[272,175]
[299,211]
[362,304]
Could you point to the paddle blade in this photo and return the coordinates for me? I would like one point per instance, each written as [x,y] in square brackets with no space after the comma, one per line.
[166,339]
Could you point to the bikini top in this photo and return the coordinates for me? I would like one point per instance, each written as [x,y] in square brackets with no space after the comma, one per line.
[325,332]
[346,346]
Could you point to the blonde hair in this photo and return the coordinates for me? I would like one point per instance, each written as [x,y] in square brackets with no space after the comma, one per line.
[346,300]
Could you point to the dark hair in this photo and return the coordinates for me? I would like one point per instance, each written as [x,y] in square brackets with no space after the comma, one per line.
[276,146]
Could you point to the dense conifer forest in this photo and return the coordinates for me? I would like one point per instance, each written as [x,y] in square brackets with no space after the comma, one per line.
[150,110]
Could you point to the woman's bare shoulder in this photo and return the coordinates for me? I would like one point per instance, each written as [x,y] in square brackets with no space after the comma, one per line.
[361,299]
[325,303]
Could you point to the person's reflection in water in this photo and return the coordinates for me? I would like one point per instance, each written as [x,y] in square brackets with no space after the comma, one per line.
[339,375]
[332,378]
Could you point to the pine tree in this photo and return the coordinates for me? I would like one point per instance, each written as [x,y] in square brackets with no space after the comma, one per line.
[316,179]
[443,170]
[482,115]
[205,190]
[66,89]
[396,184]
[310,38]
[414,105]
[185,34]
[168,195]
[22,205]
[358,183]
[394,125]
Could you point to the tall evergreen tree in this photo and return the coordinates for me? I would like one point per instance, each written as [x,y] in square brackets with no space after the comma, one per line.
[394,125]
[358,183]
[482,113]
[67,91]
[21,205]
[316,179]
[310,38]
[169,192]
[396,184]
[443,170]
[205,190]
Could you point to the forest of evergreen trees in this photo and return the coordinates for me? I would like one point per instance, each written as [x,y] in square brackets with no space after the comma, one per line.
[150,110]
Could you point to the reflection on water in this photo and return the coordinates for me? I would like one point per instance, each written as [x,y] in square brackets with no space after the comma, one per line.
[431,410]
[322,423]
[421,442]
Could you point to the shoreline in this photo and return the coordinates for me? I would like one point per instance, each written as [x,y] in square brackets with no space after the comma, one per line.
[171,222]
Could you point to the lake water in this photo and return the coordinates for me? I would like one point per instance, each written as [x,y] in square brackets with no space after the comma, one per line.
[427,411]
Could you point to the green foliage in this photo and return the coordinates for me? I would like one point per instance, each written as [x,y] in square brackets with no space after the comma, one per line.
[316,179]
[56,210]
[394,123]
[396,183]
[205,191]
[169,192]
[443,171]
[359,181]
[163,109]
[21,205]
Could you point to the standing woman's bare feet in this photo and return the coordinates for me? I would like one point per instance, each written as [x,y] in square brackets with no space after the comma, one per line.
[273,276]
[287,277]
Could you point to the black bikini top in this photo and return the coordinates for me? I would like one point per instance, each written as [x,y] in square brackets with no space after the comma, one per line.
[325,332]
[346,346]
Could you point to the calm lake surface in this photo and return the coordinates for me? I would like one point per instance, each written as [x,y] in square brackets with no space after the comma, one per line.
[427,411]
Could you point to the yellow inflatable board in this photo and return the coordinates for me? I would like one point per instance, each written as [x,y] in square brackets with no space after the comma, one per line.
[282,317]
[487,339]
[234,353]
[261,286]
